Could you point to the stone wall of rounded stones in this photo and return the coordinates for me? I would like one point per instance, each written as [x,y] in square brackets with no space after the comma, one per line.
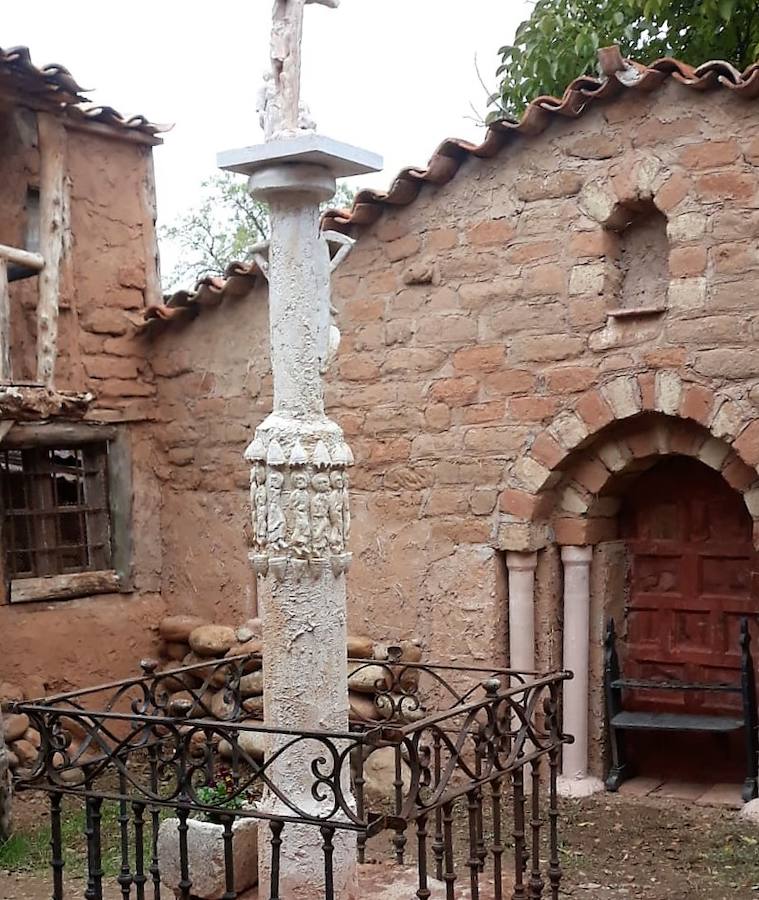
[21,740]
[192,641]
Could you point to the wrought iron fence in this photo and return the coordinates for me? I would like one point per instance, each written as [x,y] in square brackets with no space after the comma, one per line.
[474,761]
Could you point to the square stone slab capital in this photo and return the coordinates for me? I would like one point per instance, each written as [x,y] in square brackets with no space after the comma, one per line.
[341,159]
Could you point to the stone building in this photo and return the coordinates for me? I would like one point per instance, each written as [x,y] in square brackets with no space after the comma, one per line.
[546,374]
[548,378]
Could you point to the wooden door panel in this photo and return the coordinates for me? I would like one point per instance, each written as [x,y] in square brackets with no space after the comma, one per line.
[725,577]
[690,549]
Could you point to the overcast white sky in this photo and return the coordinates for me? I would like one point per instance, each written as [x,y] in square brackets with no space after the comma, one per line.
[393,76]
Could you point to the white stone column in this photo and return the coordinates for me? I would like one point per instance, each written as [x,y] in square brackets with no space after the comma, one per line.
[521,569]
[575,780]
[299,481]
[300,513]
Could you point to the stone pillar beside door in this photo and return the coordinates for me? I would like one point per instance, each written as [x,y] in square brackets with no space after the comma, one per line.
[521,569]
[575,781]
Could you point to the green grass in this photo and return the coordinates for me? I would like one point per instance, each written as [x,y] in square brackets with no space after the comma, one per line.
[735,854]
[28,849]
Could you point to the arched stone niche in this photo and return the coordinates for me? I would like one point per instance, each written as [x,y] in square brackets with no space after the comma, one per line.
[630,205]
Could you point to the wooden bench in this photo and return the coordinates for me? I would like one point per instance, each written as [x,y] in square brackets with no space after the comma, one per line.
[621,720]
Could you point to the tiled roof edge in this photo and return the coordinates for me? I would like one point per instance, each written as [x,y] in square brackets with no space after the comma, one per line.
[54,84]
[369,205]
[583,92]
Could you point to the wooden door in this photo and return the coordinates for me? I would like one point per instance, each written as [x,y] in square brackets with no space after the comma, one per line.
[689,539]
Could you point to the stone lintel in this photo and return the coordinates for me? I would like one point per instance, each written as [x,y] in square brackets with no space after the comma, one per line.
[341,159]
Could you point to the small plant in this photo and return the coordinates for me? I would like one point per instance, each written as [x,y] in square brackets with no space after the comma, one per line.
[222,794]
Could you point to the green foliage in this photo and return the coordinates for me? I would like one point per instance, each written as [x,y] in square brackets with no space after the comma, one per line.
[28,849]
[222,793]
[222,228]
[561,38]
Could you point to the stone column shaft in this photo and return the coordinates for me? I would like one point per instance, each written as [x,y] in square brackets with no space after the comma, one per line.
[301,521]
[521,569]
[575,781]
[298,301]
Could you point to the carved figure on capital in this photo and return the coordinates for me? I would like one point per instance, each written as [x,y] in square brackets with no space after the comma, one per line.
[320,514]
[300,508]
[337,511]
[277,526]
[260,504]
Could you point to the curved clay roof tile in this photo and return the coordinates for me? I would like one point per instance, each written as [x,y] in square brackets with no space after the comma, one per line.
[369,205]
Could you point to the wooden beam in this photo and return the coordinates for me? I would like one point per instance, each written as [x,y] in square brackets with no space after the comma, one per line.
[22,257]
[58,434]
[5,324]
[120,496]
[64,587]
[153,292]
[53,240]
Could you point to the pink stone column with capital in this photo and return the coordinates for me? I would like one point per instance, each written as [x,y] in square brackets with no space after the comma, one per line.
[575,780]
[521,569]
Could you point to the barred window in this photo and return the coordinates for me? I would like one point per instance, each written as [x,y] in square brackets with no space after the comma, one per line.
[55,510]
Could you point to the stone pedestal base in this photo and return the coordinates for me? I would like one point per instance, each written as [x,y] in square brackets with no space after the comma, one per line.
[576,788]
[205,854]
[750,812]
[302,863]
[385,881]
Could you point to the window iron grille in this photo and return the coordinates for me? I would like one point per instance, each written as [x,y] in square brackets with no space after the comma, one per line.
[55,510]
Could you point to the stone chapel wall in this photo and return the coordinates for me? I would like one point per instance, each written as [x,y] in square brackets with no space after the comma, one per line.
[470,320]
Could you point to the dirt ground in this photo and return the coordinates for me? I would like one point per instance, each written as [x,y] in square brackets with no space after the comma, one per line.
[613,848]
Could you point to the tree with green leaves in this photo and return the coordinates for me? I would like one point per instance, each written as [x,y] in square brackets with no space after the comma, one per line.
[561,38]
[225,225]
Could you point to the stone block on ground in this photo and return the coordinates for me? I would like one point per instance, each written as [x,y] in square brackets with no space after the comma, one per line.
[179,628]
[10,692]
[385,881]
[248,631]
[14,726]
[205,850]
[212,640]
[360,647]
[681,790]
[174,650]
[379,775]
[250,742]
[725,795]
[640,786]
[367,679]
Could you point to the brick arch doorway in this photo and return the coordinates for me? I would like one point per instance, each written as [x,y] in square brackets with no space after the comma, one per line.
[689,549]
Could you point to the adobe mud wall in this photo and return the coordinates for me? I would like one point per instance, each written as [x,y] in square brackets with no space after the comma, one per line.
[105,273]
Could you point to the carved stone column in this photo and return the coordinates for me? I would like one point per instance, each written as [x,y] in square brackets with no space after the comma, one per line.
[521,569]
[575,780]
[300,511]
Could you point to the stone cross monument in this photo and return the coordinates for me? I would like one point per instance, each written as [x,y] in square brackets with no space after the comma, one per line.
[299,459]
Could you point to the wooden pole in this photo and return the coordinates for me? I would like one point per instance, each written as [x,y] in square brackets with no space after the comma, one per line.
[53,239]
[5,323]
[153,293]
[24,258]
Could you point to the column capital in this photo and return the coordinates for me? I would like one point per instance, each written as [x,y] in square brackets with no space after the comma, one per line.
[576,556]
[521,560]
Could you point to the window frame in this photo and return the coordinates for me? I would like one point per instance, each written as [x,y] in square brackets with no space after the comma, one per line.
[116,579]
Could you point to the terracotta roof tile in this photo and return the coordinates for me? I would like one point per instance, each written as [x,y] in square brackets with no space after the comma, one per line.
[582,93]
[54,87]
[238,280]
[620,76]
